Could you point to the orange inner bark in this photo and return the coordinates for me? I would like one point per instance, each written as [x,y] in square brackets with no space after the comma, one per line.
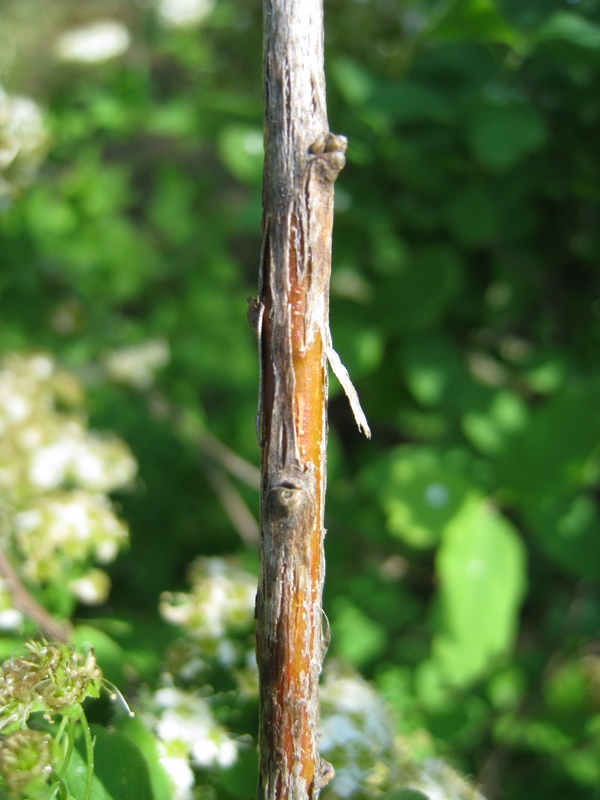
[308,419]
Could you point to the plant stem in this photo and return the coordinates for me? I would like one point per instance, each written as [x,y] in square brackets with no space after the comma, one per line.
[89,752]
[301,162]
[70,723]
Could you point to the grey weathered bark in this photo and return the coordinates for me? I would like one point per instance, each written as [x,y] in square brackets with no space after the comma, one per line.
[291,316]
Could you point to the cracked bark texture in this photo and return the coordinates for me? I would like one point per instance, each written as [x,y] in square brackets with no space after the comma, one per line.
[302,160]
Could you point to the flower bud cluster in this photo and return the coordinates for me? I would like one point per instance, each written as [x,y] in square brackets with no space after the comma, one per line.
[26,763]
[49,678]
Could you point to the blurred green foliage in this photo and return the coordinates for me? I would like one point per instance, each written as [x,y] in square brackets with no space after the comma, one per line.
[463,547]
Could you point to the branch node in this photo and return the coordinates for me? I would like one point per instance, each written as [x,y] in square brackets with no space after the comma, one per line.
[328,152]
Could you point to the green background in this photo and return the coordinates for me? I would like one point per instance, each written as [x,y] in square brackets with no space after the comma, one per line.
[463,546]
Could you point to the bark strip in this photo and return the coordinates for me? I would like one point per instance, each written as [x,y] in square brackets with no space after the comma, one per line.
[302,160]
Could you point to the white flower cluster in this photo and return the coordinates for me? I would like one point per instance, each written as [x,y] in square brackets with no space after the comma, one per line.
[54,476]
[190,736]
[221,600]
[136,365]
[356,734]
[23,143]
[75,527]
[183,13]
[370,760]
[79,458]
[438,781]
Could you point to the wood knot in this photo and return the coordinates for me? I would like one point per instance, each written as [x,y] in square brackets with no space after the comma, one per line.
[287,497]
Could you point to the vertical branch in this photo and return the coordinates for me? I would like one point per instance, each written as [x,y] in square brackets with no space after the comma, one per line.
[301,162]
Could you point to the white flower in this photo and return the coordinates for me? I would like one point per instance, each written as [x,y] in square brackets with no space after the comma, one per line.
[181,775]
[29,520]
[215,748]
[188,720]
[72,527]
[41,366]
[183,13]
[55,476]
[136,365]
[93,588]
[23,141]
[357,733]
[91,461]
[72,520]
[50,463]
[438,781]
[222,598]
[16,408]
[92,44]
[10,619]
[20,127]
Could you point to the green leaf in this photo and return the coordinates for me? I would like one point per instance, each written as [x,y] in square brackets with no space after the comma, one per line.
[478,20]
[502,135]
[406,794]
[506,415]
[171,204]
[120,770]
[109,655]
[241,148]
[481,572]
[412,102]
[417,295]
[435,374]
[176,118]
[554,452]
[568,27]
[420,491]
[354,83]
[241,778]
[566,530]
[357,638]
[134,729]
[473,215]
[361,349]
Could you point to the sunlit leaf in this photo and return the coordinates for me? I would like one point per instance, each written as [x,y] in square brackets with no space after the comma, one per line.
[420,491]
[353,81]
[569,27]
[241,149]
[481,572]
[357,638]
